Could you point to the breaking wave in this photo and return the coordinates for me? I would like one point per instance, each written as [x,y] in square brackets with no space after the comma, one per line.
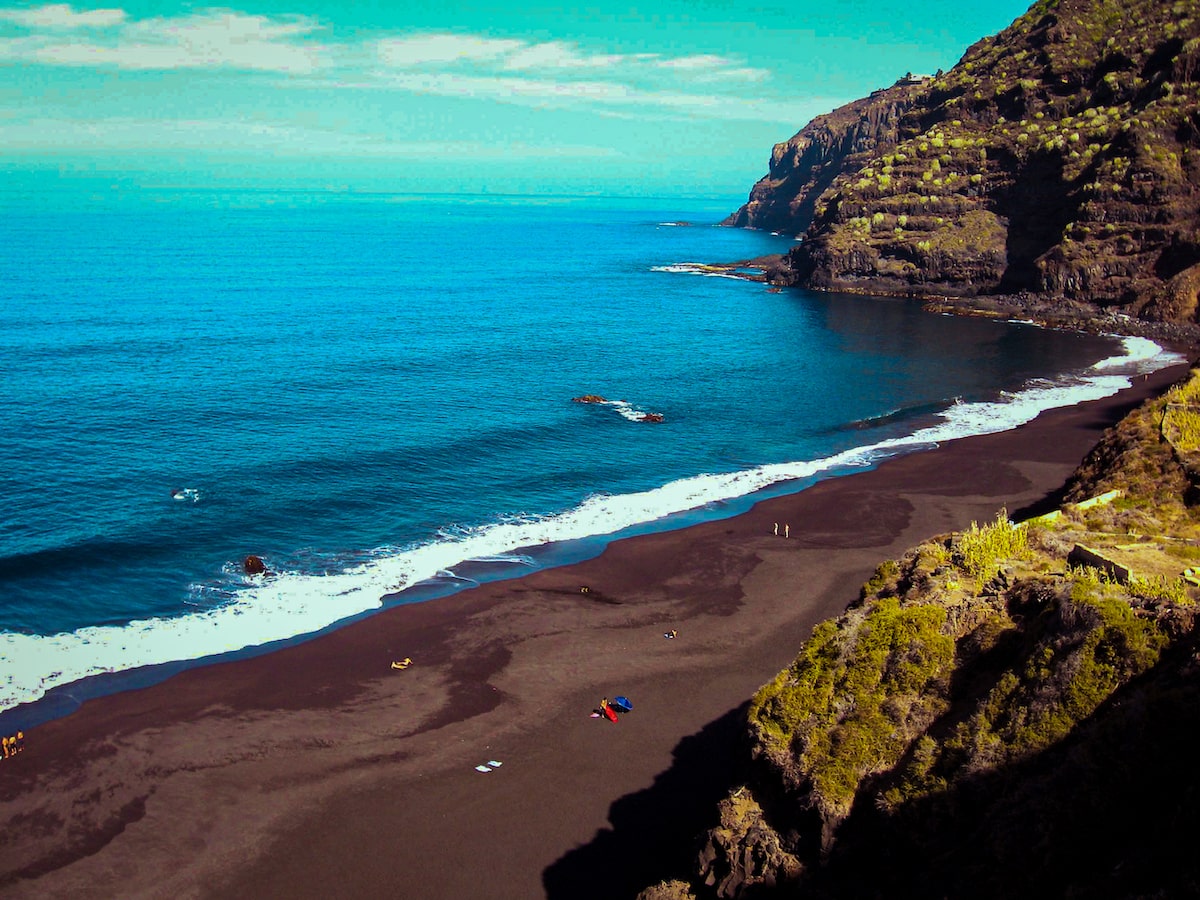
[626,410]
[705,269]
[247,612]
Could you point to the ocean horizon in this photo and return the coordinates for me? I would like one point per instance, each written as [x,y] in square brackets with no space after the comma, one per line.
[374,394]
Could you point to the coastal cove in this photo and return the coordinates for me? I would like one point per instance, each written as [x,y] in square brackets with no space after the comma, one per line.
[399,443]
[273,768]
[721,501]
[426,474]
[374,422]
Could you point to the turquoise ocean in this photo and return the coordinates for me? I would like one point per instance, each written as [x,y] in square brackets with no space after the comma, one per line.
[374,394]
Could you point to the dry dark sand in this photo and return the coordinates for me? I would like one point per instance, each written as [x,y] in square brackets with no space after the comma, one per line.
[319,770]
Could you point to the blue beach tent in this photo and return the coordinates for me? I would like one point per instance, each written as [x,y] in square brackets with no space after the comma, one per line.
[622,704]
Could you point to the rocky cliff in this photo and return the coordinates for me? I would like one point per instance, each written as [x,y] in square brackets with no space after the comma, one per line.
[1007,711]
[1059,159]
[838,143]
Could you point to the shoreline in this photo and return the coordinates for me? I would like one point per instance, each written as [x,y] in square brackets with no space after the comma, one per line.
[316,768]
[774,271]
[481,566]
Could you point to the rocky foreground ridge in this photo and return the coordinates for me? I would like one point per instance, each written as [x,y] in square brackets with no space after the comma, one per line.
[1008,711]
[1058,162]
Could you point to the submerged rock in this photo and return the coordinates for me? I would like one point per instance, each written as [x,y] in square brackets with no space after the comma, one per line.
[589,398]
[254,565]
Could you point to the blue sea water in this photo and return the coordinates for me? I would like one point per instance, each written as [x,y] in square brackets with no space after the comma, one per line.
[371,391]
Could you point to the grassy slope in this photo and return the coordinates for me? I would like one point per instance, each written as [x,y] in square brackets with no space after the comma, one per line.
[985,693]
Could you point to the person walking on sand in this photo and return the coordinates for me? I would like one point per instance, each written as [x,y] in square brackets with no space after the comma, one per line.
[20,741]
[4,741]
[787,531]
[777,529]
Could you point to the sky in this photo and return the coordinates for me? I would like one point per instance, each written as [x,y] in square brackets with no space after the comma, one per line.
[665,97]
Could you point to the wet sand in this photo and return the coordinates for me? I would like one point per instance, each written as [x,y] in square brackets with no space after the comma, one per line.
[319,770]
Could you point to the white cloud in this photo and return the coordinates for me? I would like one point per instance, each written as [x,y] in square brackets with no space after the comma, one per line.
[559,74]
[744,73]
[606,95]
[710,67]
[696,61]
[441,51]
[60,15]
[427,49]
[559,55]
[210,39]
[221,38]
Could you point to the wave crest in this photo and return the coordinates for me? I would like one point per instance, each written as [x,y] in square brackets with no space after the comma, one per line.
[252,612]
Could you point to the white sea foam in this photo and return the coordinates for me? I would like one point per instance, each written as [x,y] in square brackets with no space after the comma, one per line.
[625,410]
[1142,354]
[694,269]
[291,604]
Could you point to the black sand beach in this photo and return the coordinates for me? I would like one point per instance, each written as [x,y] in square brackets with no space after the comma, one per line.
[320,770]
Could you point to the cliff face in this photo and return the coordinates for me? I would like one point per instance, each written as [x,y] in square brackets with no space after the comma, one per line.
[804,167]
[995,718]
[1059,158]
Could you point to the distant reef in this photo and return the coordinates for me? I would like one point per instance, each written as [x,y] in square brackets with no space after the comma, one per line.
[1055,167]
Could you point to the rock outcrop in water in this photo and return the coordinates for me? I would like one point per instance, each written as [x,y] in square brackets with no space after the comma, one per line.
[1058,161]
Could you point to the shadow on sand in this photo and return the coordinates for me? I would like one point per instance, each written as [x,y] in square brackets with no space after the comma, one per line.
[656,833]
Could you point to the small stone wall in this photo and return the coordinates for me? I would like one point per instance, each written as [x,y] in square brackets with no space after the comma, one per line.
[1085,556]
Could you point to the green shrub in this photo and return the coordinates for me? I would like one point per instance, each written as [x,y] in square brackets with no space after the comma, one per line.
[844,707]
[981,551]
[885,574]
[1186,552]
[1183,426]
[1159,588]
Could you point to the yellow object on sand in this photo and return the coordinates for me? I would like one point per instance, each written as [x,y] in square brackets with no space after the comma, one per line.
[402,664]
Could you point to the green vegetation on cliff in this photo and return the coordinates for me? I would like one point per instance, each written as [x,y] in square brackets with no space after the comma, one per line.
[1060,158]
[854,697]
[867,686]
[986,690]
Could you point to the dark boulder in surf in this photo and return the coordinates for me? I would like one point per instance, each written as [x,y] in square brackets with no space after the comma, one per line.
[651,417]
[254,565]
[589,398]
